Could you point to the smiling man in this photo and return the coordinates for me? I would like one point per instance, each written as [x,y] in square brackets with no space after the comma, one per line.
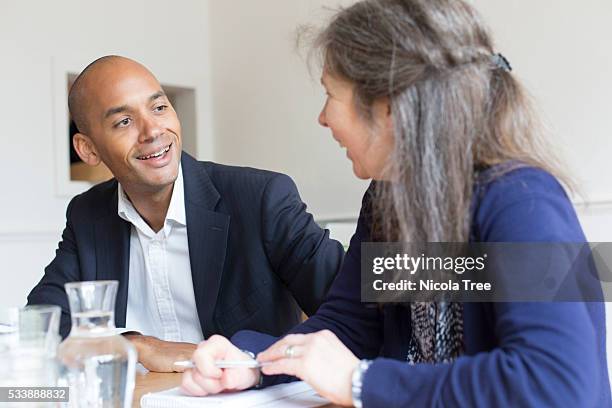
[198,248]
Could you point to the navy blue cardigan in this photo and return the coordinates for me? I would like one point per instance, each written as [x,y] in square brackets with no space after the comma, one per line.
[516,354]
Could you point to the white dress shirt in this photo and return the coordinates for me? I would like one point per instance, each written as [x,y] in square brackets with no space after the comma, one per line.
[161,301]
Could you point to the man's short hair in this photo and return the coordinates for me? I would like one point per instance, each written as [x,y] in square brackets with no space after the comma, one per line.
[77,98]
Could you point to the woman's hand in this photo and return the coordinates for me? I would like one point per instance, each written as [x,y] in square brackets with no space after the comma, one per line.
[207,379]
[319,358]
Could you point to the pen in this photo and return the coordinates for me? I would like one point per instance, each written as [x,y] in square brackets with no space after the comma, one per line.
[224,364]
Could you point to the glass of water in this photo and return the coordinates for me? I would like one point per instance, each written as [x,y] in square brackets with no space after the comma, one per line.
[29,338]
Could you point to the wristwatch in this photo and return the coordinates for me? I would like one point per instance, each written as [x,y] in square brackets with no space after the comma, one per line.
[357,381]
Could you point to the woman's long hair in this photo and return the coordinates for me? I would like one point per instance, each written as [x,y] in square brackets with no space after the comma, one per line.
[455,109]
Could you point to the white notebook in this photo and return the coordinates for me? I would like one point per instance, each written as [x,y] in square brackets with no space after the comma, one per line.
[295,394]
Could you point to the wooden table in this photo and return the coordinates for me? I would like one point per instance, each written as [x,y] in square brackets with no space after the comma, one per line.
[151,382]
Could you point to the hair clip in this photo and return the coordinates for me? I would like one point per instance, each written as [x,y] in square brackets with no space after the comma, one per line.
[501,62]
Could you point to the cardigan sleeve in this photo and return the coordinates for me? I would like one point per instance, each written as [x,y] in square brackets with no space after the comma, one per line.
[547,354]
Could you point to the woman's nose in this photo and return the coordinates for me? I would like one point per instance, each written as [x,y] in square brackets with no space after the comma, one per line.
[322,118]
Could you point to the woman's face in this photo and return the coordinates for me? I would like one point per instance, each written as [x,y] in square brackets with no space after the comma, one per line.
[368,145]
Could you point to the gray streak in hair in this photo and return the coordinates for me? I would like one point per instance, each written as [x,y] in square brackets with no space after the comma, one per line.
[454,110]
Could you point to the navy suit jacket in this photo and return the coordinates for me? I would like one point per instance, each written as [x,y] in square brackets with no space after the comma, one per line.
[257,257]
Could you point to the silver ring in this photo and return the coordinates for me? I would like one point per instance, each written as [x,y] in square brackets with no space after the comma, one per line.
[289,352]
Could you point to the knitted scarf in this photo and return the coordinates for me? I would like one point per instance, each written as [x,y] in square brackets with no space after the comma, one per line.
[437,332]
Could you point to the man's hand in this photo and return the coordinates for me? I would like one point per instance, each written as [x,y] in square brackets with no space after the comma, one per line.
[158,355]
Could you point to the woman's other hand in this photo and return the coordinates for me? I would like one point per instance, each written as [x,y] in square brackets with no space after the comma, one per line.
[319,358]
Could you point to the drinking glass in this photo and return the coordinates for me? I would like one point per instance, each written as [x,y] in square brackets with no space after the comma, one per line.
[29,338]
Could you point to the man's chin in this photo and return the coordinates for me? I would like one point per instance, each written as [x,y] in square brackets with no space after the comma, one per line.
[156,183]
[165,181]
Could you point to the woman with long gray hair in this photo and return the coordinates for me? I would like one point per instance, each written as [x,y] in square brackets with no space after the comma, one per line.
[428,110]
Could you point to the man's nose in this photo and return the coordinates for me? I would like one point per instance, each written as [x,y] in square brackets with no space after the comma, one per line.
[151,129]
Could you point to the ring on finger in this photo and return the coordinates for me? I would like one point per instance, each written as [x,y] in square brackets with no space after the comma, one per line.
[290,351]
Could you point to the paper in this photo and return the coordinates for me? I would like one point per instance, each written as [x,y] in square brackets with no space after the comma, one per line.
[296,394]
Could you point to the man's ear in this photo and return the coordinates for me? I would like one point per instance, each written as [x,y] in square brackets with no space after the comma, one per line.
[86,149]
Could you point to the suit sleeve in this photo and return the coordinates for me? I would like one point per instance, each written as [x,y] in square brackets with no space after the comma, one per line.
[546,353]
[358,325]
[64,268]
[302,254]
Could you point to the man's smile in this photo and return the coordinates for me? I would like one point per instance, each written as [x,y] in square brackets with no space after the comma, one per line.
[155,154]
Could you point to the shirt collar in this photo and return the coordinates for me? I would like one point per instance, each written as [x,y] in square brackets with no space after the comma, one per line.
[176,209]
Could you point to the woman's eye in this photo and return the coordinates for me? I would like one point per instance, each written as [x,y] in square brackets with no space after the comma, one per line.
[160,108]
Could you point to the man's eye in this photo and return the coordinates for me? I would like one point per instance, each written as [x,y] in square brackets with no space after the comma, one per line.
[123,122]
[160,108]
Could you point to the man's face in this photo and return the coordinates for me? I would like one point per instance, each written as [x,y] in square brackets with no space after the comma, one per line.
[134,128]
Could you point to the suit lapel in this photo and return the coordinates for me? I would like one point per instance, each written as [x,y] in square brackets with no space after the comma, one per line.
[112,235]
[207,233]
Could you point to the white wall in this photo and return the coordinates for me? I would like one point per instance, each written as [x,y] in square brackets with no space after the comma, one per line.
[560,51]
[266,105]
[171,38]
[265,102]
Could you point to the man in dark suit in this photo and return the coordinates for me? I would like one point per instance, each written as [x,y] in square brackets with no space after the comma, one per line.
[198,248]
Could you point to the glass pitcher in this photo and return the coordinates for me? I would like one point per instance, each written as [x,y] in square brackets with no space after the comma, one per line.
[97,364]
